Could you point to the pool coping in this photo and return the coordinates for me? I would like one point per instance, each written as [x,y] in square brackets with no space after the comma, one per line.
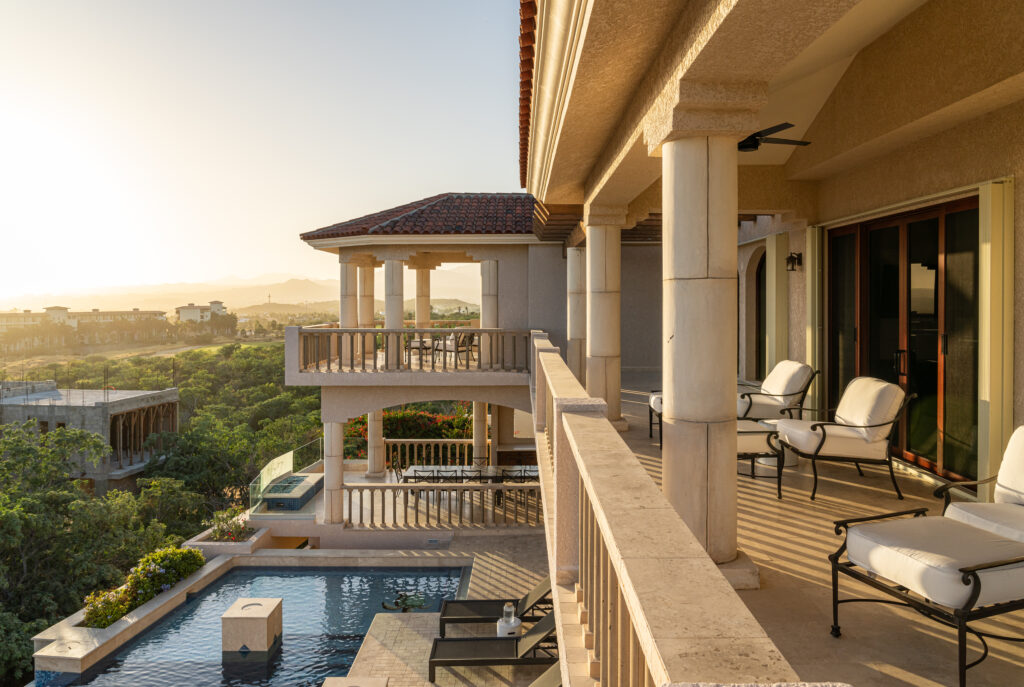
[66,650]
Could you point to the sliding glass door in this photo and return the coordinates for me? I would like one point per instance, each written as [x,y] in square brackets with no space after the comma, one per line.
[903,307]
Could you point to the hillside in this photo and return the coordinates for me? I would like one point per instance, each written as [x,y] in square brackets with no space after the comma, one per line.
[267,309]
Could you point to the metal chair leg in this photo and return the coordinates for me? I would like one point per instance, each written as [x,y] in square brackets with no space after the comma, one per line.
[892,476]
[961,641]
[859,471]
[814,468]
[835,596]
[650,422]
[780,459]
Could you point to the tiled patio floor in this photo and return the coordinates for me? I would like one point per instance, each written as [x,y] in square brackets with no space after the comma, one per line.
[790,540]
[397,645]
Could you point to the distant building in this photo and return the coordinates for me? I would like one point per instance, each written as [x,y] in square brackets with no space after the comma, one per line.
[124,418]
[200,313]
[58,314]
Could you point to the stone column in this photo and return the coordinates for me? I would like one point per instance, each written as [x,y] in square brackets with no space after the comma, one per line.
[576,311]
[488,310]
[347,311]
[375,462]
[334,471]
[394,310]
[604,265]
[479,431]
[422,298]
[365,307]
[699,236]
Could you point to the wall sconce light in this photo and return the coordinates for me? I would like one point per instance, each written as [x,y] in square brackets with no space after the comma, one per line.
[794,260]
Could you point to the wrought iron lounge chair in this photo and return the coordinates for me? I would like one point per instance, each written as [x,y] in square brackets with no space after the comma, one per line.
[942,568]
[535,604]
[755,441]
[654,406]
[862,432]
[537,647]
[782,393]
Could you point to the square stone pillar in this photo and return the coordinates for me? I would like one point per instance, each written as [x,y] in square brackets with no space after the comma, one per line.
[334,472]
[375,449]
[699,253]
[479,433]
[603,308]
[576,311]
[251,630]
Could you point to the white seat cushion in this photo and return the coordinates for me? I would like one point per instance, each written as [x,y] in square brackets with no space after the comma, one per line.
[655,402]
[752,438]
[925,556]
[869,401]
[839,441]
[759,407]
[1004,519]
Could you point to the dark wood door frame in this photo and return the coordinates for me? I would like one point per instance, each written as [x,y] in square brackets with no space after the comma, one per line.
[862,332]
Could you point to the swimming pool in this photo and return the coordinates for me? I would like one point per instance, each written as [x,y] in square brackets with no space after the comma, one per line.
[326,613]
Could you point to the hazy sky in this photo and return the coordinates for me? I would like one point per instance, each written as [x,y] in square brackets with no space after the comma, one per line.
[146,141]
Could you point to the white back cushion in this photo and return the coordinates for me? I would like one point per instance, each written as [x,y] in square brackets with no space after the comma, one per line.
[1010,483]
[787,377]
[869,401]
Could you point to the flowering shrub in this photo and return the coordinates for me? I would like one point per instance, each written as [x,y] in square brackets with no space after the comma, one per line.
[228,525]
[156,572]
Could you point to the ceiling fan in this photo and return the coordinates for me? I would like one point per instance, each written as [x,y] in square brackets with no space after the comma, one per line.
[754,140]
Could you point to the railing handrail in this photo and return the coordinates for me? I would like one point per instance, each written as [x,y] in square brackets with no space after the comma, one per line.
[436,331]
[429,441]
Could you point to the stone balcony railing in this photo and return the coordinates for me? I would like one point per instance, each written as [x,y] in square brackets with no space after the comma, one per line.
[463,356]
[637,599]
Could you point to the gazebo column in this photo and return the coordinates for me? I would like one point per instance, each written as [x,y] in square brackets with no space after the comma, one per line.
[488,309]
[334,471]
[365,308]
[699,254]
[576,311]
[422,298]
[603,308]
[394,310]
[347,311]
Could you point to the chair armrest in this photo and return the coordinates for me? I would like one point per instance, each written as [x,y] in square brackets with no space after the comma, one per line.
[842,424]
[943,491]
[845,524]
[989,566]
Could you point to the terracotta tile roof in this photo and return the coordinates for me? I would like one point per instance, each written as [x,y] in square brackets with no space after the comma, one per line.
[447,213]
[527,33]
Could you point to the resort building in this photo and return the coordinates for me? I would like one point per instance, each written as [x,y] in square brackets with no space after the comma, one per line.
[715,191]
[124,418]
[199,313]
[59,314]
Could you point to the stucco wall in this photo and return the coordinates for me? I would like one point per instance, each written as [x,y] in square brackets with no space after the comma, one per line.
[641,307]
[797,299]
[547,295]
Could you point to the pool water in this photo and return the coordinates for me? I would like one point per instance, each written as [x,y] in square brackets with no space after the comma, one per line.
[326,613]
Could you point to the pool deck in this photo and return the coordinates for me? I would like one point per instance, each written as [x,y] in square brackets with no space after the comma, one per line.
[397,644]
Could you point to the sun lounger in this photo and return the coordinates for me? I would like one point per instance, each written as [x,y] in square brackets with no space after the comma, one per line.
[537,647]
[529,607]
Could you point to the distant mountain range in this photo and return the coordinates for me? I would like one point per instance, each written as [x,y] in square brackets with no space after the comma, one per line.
[462,284]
